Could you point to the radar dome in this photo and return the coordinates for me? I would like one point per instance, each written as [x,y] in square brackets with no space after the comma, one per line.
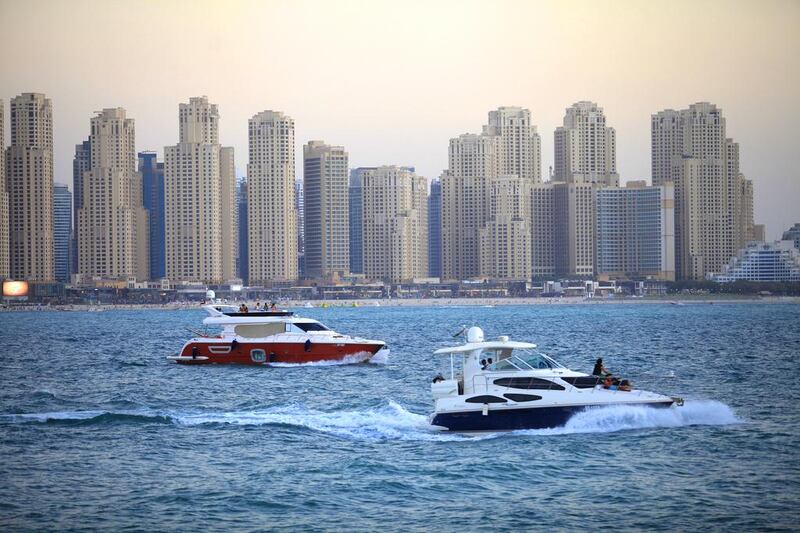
[210,295]
[474,334]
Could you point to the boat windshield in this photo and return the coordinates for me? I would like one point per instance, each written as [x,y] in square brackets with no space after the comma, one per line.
[522,360]
[310,326]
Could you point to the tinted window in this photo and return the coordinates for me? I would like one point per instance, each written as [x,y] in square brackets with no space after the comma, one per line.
[522,397]
[486,398]
[528,383]
[311,326]
[584,382]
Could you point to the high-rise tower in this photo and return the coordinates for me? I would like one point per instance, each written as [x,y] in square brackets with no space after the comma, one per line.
[62,231]
[200,199]
[272,217]
[4,259]
[713,200]
[112,222]
[325,197]
[29,178]
[152,172]
[508,147]
[395,227]
[585,148]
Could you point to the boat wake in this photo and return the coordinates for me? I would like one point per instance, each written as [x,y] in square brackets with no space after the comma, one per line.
[393,422]
[380,358]
[626,417]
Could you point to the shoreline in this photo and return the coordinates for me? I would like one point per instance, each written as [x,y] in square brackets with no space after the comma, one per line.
[437,302]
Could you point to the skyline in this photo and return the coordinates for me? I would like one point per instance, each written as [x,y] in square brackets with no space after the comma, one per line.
[394,84]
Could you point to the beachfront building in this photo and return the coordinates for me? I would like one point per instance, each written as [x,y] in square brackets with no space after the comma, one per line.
[793,234]
[112,221]
[777,261]
[153,195]
[271,211]
[395,224]
[29,182]
[62,232]
[355,217]
[326,211]
[241,211]
[508,146]
[585,147]
[81,164]
[435,229]
[713,200]
[200,199]
[635,228]
[4,258]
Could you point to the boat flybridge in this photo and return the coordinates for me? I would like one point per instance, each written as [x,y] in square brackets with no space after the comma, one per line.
[507,385]
[264,337]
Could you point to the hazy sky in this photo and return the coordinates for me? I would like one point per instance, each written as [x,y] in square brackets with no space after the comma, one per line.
[394,81]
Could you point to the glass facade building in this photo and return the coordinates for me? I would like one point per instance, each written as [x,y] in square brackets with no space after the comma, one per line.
[62,232]
[153,199]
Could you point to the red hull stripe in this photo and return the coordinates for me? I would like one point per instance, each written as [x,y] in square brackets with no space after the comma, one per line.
[259,353]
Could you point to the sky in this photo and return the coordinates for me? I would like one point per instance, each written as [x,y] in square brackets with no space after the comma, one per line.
[393,81]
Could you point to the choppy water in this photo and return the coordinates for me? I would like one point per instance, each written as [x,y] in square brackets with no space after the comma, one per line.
[99,431]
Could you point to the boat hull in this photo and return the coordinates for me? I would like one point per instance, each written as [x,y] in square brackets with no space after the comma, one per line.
[265,353]
[522,418]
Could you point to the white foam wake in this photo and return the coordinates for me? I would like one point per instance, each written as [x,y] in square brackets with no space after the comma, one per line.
[380,358]
[625,417]
[393,422]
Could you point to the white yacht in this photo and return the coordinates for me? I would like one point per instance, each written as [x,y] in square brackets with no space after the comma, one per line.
[507,385]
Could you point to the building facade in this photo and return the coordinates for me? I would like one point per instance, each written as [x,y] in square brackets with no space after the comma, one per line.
[81,164]
[5,267]
[713,200]
[200,199]
[777,261]
[356,214]
[272,216]
[29,181]
[153,195]
[300,209]
[505,238]
[585,148]
[395,224]
[326,210]
[435,229]
[112,222]
[241,201]
[508,146]
[635,228]
[62,232]
[793,234]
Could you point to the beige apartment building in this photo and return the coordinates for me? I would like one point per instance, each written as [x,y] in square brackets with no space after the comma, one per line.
[200,199]
[5,267]
[713,200]
[509,146]
[585,147]
[395,224]
[29,180]
[326,211]
[271,212]
[112,222]
[505,238]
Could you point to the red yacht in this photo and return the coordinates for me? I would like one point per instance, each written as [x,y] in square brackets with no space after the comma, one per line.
[261,338]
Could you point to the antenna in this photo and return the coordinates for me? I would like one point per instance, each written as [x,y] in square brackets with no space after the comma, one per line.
[460,332]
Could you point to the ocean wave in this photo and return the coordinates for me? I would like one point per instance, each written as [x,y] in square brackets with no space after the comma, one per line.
[394,422]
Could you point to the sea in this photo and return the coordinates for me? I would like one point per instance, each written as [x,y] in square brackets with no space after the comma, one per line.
[99,431]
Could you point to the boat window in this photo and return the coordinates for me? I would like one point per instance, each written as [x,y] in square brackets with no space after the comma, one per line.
[311,326]
[259,330]
[258,356]
[528,383]
[486,398]
[584,382]
[522,397]
[504,365]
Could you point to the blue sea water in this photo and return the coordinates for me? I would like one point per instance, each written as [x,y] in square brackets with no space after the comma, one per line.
[99,431]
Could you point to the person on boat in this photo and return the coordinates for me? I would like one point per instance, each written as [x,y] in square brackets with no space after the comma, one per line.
[273,307]
[307,345]
[258,306]
[610,382]
[625,385]
[483,364]
[195,352]
[600,369]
